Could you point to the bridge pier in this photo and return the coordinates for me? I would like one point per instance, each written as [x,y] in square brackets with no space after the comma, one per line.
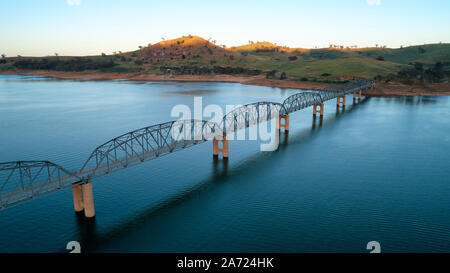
[286,123]
[340,100]
[217,149]
[357,95]
[77,198]
[318,108]
[83,199]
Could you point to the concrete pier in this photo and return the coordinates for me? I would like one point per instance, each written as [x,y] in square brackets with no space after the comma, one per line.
[77,198]
[340,101]
[318,108]
[357,95]
[217,149]
[83,199]
[286,123]
[88,200]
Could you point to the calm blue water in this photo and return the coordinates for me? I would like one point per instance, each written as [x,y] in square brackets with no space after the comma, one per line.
[378,171]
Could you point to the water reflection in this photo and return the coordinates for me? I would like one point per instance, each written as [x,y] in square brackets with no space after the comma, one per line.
[314,121]
[284,138]
[88,232]
[340,109]
[220,167]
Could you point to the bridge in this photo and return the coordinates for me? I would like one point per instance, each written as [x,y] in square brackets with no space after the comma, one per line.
[24,180]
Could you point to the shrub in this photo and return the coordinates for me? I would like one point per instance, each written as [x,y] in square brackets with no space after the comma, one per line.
[74,64]
[418,66]
[292,58]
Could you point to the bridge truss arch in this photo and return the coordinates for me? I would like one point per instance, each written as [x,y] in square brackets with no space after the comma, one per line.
[146,144]
[249,115]
[22,180]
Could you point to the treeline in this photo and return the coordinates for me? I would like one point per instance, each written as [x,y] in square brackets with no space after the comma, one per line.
[198,70]
[419,73]
[74,64]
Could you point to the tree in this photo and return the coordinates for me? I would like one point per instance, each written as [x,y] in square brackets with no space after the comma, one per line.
[418,66]
[56,54]
[3,56]
[103,55]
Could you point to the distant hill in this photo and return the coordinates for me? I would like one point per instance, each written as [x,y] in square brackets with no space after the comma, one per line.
[427,54]
[195,55]
[186,47]
[260,47]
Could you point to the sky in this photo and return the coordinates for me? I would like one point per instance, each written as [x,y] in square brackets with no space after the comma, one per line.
[90,27]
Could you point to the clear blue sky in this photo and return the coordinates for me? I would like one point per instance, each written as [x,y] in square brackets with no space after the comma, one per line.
[88,27]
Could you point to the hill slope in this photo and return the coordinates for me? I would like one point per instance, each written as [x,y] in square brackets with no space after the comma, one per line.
[184,48]
[195,55]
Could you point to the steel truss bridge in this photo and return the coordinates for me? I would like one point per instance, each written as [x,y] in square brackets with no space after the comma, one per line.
[25,180]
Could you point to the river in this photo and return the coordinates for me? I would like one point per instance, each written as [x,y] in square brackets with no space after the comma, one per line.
[378,171]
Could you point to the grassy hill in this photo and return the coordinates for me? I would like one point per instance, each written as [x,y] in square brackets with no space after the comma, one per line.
[195,55]
[427,54]
[260,47]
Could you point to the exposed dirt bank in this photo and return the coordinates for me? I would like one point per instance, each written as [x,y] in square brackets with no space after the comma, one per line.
[381,89]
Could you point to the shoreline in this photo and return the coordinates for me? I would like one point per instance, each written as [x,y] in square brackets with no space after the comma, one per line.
[381,89]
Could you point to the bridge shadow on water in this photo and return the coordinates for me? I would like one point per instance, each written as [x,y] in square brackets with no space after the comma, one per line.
[92,239]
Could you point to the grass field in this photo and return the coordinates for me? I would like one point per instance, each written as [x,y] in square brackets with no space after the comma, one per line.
[296,63]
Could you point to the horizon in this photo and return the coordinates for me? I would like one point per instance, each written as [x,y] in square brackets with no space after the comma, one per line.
[81,27]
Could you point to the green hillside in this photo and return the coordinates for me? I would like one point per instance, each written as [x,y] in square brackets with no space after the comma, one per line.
[427,54]
[194,55]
